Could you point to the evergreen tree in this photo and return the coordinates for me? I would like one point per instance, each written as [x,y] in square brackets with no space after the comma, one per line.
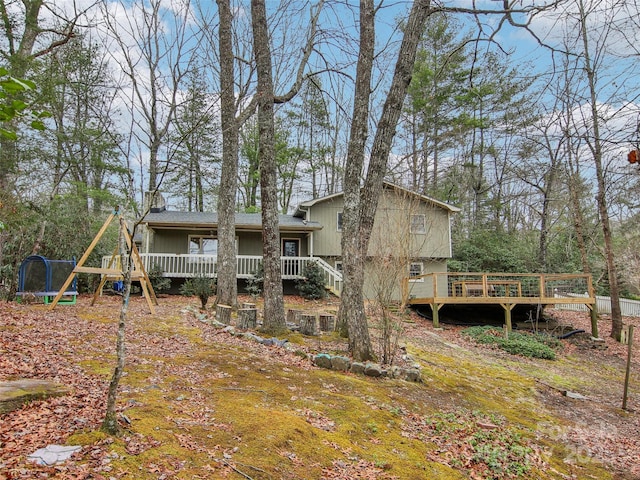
[81,149]
[194,170]
[431,109]
[311,286]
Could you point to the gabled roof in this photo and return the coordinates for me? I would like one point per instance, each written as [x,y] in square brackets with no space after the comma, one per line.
[300,211]
[243,221]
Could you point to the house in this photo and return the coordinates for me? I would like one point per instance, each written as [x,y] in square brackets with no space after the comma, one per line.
[411,237]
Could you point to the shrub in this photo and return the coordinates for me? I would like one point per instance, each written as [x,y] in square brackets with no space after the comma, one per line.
[312,285]
[158,282]
[255,282]
[525,344]
[200,286]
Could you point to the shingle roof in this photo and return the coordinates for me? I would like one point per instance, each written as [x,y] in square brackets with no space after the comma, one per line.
[170,218]
[446,206]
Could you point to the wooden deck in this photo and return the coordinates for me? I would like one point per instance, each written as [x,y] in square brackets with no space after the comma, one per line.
[504,289]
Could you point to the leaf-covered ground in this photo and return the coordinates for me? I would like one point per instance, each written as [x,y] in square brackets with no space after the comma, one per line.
[197,402]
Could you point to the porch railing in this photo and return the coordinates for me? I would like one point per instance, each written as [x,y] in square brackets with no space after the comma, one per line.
[191,265]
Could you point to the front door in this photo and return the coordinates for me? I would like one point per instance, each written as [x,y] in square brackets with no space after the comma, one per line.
[290,248]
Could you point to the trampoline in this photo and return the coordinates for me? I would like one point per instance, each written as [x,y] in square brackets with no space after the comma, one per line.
[42,277]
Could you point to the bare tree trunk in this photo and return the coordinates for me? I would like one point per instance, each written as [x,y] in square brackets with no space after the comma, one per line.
[573,172]
[601,197]
[110,422]
[227,292]
[274,317]
[352,318]
[361,204]
[576,214]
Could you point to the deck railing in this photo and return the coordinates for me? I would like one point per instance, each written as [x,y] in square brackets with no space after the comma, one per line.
[191,265]
[467,287]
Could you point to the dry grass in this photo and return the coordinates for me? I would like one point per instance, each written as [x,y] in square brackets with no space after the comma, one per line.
[204,404]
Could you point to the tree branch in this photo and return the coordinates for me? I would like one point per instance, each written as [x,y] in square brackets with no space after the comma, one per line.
[308,49]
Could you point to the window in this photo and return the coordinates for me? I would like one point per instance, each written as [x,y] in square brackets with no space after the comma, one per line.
[203,245]
[415,270]
[290,247]
[418,224]
[338,266]
[339,221]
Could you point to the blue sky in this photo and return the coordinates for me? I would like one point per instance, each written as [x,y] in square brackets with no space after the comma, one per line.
[340,17]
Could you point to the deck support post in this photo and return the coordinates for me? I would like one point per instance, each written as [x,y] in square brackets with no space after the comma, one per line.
[435,307]
[594,320]
[507,314]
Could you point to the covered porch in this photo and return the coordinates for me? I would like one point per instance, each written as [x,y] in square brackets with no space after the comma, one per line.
[177,265]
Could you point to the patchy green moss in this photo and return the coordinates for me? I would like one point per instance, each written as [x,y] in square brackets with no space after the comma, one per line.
[103,367]
[461,378]
[204,407]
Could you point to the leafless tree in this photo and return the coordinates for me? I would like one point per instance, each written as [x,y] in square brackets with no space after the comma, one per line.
[227,284]
[360,203]
[153,47]
[274,318]
[593,48]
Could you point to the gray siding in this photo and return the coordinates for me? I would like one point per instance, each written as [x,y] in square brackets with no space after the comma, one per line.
[326,242]
[249,243]
[418,289]
[170,241]
[392,228]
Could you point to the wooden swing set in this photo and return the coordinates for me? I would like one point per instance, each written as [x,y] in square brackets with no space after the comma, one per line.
[112,273]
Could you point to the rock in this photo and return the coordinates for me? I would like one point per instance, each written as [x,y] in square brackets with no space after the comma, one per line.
[412,375]
[322,360]
[53,454]
[253,336]
[274,342]
[15,393]
[575,396]
[342,364]
[396,372]
[374,370]
[357,368]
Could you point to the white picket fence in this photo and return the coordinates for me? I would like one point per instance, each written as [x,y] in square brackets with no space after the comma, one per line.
[630,308]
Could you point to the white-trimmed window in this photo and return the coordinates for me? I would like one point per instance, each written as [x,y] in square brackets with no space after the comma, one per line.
[200,245]
[339,222]
[418,224]
[338,265]
[415,271]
